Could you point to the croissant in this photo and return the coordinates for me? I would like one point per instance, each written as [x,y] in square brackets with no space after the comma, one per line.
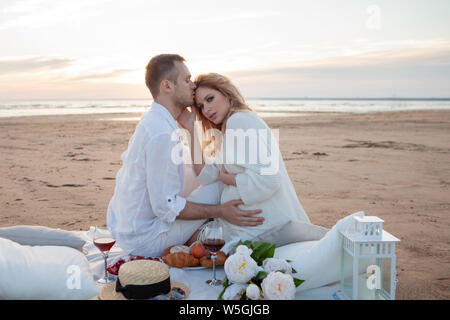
[166,251]
[206,261]
[179,259]
[173,249]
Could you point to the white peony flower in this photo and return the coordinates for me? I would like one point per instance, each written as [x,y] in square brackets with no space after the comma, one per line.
[233,292]
[278,286]
[240,267]
[244,250]
[274,264]
[253,292]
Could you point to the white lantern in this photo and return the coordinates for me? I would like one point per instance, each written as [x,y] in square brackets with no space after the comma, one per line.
[368,261]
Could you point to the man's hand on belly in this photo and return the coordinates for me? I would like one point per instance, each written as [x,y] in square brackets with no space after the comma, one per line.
[231,213]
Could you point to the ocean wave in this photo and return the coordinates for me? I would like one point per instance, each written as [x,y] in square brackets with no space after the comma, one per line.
[286,106]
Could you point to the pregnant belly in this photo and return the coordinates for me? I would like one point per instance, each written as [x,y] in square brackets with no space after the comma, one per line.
[270,211]
[229,193]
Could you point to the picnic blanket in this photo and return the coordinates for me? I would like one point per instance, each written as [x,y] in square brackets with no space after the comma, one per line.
[34,270]
[194,278]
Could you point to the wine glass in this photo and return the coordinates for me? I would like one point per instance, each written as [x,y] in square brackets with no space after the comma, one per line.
[104,243]
[212,238]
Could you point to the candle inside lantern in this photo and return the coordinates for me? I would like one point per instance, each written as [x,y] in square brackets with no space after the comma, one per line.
[364,292]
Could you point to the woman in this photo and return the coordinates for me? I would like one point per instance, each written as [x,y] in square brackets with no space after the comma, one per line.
[238,148]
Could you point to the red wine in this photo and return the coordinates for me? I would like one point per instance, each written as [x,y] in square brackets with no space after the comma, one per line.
[104,244]
[213,245]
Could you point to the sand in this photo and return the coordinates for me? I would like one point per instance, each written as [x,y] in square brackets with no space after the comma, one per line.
[59,171]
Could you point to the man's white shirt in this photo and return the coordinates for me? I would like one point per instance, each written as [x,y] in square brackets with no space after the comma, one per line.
[148,186]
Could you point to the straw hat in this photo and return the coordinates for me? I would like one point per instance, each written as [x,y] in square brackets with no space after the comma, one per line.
[141,279]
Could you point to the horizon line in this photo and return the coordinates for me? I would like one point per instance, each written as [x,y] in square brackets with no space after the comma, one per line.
[248,98]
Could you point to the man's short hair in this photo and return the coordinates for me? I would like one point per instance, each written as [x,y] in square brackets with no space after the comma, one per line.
[159,68]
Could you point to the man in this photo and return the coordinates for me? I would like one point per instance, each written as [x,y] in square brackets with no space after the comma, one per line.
[147,212]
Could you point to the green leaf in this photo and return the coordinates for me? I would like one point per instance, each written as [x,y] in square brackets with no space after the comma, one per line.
[268,253]
[221,294]
[298,282]
[260,276]
[293,270]
[225,282]
[260,253]
[261,250]
[225,285]
[271,251]
[247,243]
[259,247]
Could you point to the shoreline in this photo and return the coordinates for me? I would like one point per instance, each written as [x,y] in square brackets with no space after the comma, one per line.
[112,115]
[59,171]
[266,107]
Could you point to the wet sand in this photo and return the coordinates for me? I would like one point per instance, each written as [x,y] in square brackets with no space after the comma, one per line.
[59,171]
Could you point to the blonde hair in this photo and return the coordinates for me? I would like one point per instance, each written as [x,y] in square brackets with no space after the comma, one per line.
[230,91]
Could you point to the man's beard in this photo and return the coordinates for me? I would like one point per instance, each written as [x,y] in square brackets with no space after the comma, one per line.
[184,102]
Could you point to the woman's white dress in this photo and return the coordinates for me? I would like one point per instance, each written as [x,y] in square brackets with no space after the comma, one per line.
[250,150]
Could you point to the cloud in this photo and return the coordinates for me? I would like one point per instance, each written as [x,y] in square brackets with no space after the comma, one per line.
[404,72]
[237,16]
[22,6]
[63,78]
[104,75]
[408,72]
[64,69]
[73,90]
[32,64]
[44,13]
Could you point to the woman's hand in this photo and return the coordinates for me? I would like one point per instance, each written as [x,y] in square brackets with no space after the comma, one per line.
[187,118]
[227,178]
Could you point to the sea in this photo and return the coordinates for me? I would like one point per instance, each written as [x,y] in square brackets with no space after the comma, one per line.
[265,107]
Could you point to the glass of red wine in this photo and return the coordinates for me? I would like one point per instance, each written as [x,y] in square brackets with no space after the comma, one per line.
[104,242]
[212,239]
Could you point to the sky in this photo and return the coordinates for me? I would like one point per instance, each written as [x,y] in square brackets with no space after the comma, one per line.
[98,49]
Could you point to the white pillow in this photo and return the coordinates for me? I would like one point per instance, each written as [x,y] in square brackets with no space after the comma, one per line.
[321,264]
[44,272]
[293,250]
[42,236]
[292,232]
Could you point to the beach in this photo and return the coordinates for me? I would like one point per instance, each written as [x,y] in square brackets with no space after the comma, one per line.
[59,171]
